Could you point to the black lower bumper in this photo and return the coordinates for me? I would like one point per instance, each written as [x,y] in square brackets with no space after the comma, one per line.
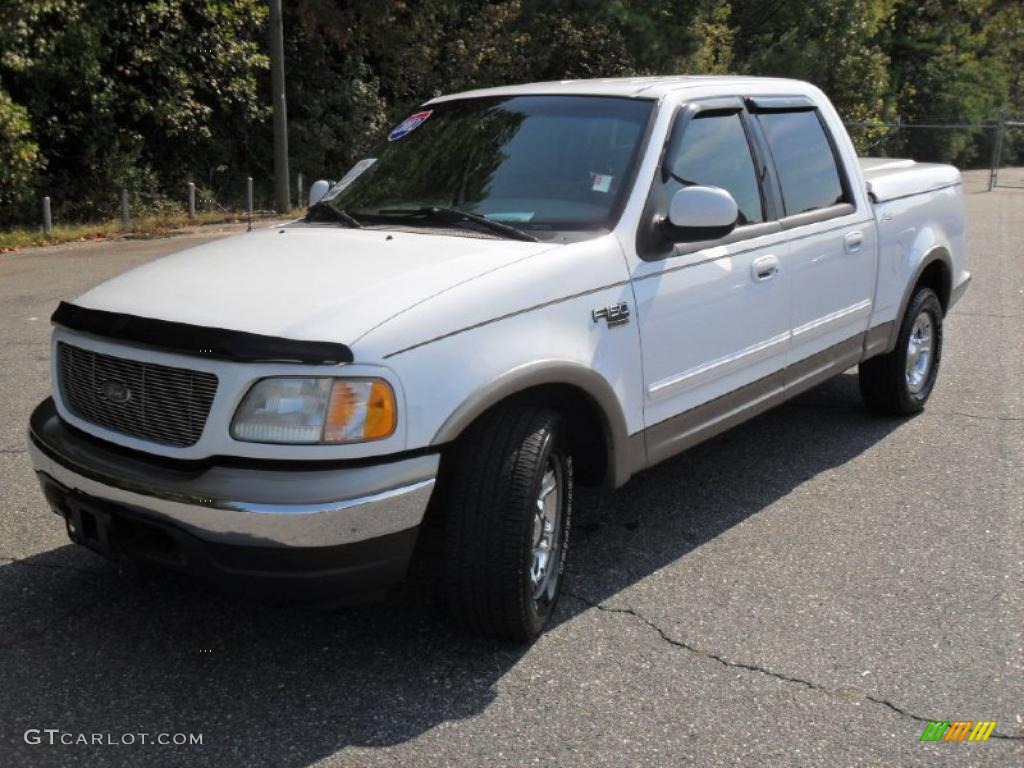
[120,532]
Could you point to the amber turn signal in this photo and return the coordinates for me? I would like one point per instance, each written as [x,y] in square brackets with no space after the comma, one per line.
[359,409]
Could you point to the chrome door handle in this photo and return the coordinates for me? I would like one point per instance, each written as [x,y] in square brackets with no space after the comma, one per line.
[854,241]
[764,268]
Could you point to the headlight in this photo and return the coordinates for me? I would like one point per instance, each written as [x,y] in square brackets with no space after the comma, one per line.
[315,410]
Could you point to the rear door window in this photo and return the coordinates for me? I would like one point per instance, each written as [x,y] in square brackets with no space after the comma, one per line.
[804,159]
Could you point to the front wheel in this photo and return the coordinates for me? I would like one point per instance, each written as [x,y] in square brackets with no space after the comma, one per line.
[900,382]
[507,522]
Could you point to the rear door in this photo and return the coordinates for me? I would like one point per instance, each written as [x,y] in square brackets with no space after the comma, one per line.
[832,239]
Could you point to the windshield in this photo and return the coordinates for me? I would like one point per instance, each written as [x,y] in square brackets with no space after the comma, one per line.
[532,162]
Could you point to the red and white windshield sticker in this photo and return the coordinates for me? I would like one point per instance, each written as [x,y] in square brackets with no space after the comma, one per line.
[410,124]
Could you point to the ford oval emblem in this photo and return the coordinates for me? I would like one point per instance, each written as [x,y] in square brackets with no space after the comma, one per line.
[116,392]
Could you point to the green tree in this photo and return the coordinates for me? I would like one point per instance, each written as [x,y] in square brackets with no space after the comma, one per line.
[138,94]
[96,94]
[834,44]
[945,69]
[19,154]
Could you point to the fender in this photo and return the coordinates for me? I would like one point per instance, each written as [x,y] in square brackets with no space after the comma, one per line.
[626,454]
[937,253]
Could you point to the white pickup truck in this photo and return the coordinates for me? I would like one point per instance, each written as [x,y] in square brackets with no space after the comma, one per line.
[519,289]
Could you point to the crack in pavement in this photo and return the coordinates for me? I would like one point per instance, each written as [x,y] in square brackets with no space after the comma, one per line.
[758,669]
[13,450]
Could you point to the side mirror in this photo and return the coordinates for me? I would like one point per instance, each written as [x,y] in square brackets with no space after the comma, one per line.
[318,190]
[700,213]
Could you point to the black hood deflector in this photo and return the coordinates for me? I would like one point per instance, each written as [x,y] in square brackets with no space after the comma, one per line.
[198,340]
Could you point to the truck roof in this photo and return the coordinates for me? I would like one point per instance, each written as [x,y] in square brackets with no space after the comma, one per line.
[633,87]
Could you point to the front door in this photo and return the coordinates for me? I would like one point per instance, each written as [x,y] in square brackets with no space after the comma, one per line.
[714,316]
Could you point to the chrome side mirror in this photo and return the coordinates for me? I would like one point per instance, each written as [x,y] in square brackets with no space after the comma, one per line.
[318,190]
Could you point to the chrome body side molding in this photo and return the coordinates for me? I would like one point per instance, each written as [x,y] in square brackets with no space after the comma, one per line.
[718,368]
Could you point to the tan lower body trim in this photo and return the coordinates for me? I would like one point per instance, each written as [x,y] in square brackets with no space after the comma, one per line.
[876,340]
[696,425]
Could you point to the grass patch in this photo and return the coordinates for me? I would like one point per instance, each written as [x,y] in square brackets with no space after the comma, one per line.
[151,225]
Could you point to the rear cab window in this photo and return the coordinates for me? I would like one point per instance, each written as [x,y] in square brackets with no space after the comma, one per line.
[810,177]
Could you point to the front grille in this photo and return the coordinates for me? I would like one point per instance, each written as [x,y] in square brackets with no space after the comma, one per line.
[145,400]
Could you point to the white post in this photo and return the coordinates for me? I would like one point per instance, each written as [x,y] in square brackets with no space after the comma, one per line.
[47,221]
[191,200]
[248,192]
[126,214]
[298,197]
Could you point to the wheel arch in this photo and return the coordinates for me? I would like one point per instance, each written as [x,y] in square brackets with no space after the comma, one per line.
[934,270]
[606,453]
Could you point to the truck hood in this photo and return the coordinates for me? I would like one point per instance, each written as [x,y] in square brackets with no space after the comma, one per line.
[317,283]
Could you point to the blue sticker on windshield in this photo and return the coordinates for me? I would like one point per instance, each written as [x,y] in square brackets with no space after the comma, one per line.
[511,216]
[410,124]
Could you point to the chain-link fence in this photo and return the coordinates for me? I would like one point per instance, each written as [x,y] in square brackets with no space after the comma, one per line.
[1008,171]
[996,146]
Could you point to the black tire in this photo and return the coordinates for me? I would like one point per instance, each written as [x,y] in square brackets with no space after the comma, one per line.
[884,382]
[490,536]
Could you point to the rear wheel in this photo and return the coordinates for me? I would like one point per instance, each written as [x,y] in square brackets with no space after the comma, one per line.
[507,523]
[900,382]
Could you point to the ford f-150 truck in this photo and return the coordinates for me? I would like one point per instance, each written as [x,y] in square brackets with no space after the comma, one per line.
[519,289]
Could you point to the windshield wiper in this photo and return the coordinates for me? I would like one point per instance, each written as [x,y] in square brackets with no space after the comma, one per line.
[336,214]
[454,214]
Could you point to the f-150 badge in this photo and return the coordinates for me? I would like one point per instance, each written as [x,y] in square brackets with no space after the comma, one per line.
[616,314]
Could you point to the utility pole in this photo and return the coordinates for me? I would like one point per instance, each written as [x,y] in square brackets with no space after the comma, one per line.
[282,191]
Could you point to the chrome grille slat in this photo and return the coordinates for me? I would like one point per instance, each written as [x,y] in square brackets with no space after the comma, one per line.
[167,405]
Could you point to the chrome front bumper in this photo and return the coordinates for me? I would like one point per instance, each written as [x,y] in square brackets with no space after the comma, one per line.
[236,504]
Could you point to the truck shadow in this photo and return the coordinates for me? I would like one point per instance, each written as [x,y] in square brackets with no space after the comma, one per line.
[91,647]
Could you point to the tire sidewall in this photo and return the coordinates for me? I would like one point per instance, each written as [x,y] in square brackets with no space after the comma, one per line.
[924,300]
[536,614]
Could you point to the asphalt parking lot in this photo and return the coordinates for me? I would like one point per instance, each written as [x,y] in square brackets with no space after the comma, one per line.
[810,588]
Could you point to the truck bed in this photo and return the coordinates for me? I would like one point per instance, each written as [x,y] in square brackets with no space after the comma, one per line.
[890,178]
